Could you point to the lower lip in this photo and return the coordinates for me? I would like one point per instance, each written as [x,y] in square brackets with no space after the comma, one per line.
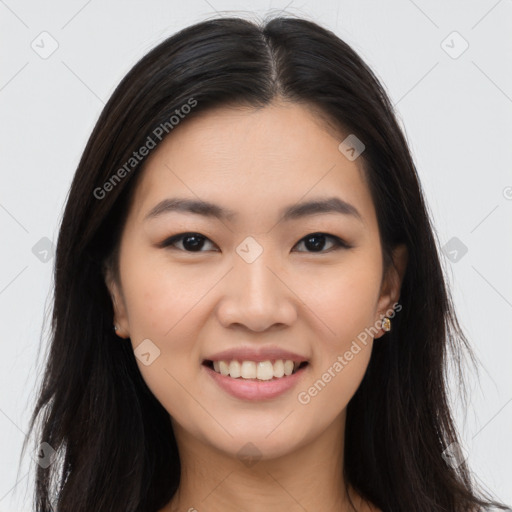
[253,389]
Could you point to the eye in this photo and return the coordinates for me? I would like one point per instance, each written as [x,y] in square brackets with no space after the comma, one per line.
[316,242]
[192,242]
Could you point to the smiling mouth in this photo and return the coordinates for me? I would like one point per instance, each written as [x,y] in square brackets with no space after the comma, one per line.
[256,371]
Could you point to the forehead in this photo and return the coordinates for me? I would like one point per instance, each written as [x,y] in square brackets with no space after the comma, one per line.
[250,160]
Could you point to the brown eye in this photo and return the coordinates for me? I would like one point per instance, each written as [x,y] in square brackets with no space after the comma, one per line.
[315,242]
[191,242]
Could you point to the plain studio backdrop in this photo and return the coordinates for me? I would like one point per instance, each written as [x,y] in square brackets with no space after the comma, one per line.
[446,67]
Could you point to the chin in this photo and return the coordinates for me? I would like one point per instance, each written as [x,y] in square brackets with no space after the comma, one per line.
[255,439]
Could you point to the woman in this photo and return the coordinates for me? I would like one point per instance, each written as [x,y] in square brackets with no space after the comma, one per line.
[250,310]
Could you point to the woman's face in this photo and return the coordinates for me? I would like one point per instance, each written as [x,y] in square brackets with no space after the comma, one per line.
[254,286]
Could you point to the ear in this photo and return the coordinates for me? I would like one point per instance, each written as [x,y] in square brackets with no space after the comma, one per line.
[118,303]
[391,284]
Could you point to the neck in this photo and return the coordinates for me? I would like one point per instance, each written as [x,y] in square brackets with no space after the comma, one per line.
[309,478]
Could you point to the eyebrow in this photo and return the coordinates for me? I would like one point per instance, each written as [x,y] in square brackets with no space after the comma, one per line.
[295,211]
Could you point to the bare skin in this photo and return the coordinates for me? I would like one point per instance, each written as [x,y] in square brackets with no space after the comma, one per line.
[314,302]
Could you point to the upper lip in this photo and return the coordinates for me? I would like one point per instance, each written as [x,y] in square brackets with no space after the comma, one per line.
[256,354]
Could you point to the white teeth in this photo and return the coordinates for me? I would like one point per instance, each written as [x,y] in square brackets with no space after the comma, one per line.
[234,369]
[265,370]
[224,368]
[261,370]
[248,370]
[278,368]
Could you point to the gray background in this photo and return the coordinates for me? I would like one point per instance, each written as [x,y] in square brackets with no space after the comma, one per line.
[456,108]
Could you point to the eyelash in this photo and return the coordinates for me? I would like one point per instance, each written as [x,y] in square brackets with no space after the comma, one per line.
[338,242]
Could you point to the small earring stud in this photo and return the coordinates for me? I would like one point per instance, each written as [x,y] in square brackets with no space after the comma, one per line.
[116,328]
[386,324]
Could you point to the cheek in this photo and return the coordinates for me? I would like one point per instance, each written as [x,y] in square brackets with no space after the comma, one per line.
[343,298]
[162,297]
[331,387]
[161,303]
[346,304]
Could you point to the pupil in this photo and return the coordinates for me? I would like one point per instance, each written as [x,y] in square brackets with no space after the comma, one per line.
[315,246]
[195,245]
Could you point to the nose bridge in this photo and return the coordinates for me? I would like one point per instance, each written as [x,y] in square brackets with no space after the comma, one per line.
[255,296]
[252,269]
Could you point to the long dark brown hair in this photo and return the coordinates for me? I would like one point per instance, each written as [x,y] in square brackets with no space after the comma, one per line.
[115,449]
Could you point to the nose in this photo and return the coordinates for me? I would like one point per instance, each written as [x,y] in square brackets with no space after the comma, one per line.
[257,296]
